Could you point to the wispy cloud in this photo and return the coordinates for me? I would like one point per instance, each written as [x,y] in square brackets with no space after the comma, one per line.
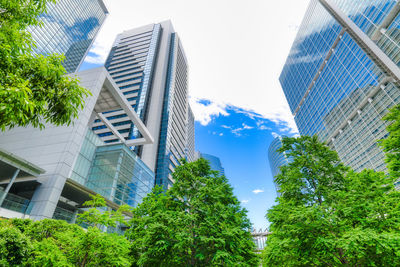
[280,116]
[98,53]
[245,201]
[263,128]
[238,130]
[258,191]
[275,135]
[205,111]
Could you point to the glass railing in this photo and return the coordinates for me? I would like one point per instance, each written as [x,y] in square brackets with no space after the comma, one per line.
[15,203]
[63,214]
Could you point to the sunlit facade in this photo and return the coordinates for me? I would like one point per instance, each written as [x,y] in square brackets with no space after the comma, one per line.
[341,76]
[69,27]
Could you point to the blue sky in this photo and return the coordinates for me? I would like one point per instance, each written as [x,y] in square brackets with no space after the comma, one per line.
[241,139]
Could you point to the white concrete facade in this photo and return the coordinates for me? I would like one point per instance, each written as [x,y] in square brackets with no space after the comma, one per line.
[55,148]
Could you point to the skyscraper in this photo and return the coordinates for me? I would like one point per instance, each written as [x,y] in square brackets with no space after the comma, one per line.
[342,75]
[69,27]
[215,163]
[150,68]
[276,159]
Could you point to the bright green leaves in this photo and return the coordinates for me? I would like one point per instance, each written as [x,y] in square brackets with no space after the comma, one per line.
[98,215]
[197,222]
[315,171]
[33,89]
[328,215]
[57,243]
[391,144]
[14,247]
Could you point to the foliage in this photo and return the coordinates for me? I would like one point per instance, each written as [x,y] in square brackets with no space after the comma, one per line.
[97,248]
[57,243]
[14,247]
[329,215]
[33,88]
[391,144]
[96,216]
[197,222]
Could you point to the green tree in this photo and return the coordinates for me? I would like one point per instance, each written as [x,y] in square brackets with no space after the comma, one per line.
[329,215]
[33,88]
[58,243]
[98,215]
[391,144]
[15,248]
[197,222]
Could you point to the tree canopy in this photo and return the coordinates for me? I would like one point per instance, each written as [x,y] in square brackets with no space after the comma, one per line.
[197,222]
[391,144]
[329,215]
[57,243]
[33,88]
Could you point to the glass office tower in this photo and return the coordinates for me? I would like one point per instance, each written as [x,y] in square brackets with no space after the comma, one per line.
[276,159]
[69,28]
[215,163]
[342,74]
[149,66]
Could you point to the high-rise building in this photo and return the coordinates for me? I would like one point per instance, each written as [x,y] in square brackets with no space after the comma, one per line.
[190,153]
[342,75]
[215,163]
[69,28]
[150,68]
[276,159]
[50,173]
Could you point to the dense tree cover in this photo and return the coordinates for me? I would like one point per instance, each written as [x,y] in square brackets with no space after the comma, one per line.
[329,215]
[57,243]
[197,222]
[33,89]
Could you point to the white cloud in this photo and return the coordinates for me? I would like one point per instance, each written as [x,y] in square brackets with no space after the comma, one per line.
[258,191]
[263,127]
[98,54]
[247,127]
[238,130]
[245,201]
[204,113]
[227,68]
[275,135]
[221,134]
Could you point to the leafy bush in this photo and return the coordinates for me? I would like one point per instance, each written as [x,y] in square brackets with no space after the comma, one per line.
[15,247]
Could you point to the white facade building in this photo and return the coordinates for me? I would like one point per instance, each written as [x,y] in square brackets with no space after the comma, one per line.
[65,155]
